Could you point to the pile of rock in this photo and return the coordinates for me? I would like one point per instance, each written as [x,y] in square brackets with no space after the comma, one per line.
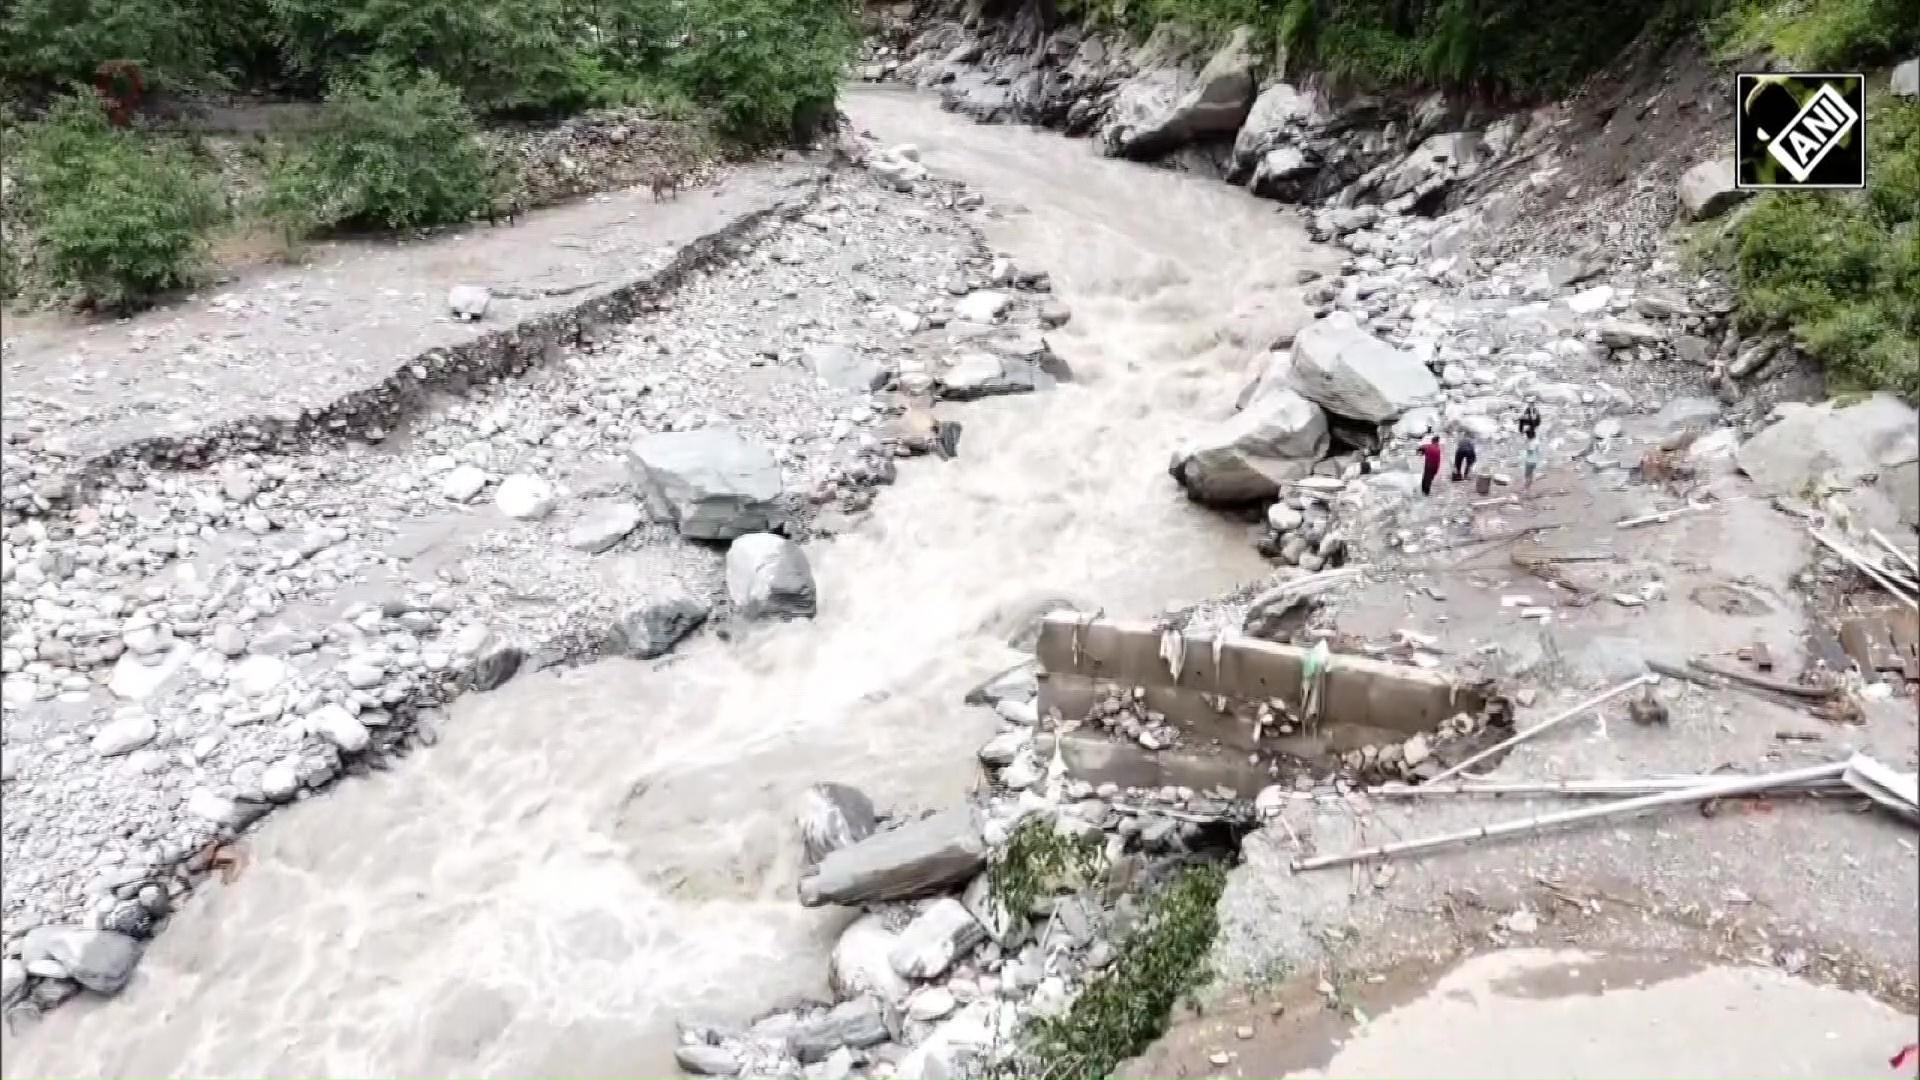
[601,150]
[937,974]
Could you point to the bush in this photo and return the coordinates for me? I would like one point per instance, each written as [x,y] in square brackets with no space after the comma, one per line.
[1124,1008]
[119,219]
[393,152]
[765,66]
[52,43]
[1822,35]
[1842,270]
[1518,48]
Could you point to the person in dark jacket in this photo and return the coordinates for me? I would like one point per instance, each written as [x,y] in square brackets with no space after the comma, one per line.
[1464,455]
[1429,464]
[1530,421]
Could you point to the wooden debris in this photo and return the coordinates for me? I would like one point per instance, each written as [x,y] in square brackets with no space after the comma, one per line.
[1659,518]
[1719,788]
[1900,589]
[1545,725]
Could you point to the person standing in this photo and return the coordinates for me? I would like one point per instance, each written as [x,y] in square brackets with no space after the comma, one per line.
[1429,464]
[1529,463]
[1530,421]
[1464,455]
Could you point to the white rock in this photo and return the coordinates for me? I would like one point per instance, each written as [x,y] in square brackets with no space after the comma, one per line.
[279,782]
[524,497]
[133,678]
[463,483]
[604,526]
[468,302]
[211,807]
[339,727]
[258,675]
[363,676]
[228,640]
[861,964]
[931,1003]
[125,735]
[984,306]
[1591,300]
[935,938]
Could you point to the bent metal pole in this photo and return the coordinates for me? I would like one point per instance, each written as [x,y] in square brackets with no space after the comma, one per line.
[1738,785]
[1522,736]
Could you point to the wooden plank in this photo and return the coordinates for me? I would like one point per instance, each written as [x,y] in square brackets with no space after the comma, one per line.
[1904,627]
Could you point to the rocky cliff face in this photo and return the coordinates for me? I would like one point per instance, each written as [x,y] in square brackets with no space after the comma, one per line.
[1221,107]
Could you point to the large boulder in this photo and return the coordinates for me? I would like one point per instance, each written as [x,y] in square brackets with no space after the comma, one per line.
[768,578]
[1165,106]
[1280,118]
[100,960]
[715,483]
[1707,189]
[862,962]
[918,858]
[1353,374]
[832,816]
[1906,79]
[1812,446]
[1278,436]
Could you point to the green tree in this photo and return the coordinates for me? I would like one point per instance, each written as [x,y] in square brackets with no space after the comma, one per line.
[765,66]
[52,43]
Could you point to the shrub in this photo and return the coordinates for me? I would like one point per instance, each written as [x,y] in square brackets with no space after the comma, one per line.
[119,219]
[764,66]
[51,43]
[1124,1008]
[1842,270]
[1822,35]
[393,152]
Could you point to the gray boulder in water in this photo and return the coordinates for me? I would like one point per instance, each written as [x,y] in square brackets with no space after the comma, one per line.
[768,578]
[832,816]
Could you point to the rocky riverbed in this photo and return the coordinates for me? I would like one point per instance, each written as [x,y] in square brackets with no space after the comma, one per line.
[583,511]
[186,650]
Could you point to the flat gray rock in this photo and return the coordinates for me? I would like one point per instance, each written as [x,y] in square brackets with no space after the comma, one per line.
[916,859]
[715,483]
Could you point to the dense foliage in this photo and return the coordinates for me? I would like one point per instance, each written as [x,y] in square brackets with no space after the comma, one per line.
[119,218]
[394,152]
[1842,270]
[759,64]
[1519,48]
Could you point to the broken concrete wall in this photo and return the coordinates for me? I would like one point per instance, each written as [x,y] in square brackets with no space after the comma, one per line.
[1366,700]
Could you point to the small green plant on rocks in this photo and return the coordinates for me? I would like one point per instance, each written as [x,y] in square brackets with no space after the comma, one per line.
[119,218]
[1125,1007]
[1038,860]
[396,152]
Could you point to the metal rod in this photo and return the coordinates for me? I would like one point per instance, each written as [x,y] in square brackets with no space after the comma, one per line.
[1644,786]
[1735,786]
[1522,736]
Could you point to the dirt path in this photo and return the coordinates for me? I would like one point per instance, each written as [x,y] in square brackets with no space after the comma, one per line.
[1535,1012]
[280,340]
